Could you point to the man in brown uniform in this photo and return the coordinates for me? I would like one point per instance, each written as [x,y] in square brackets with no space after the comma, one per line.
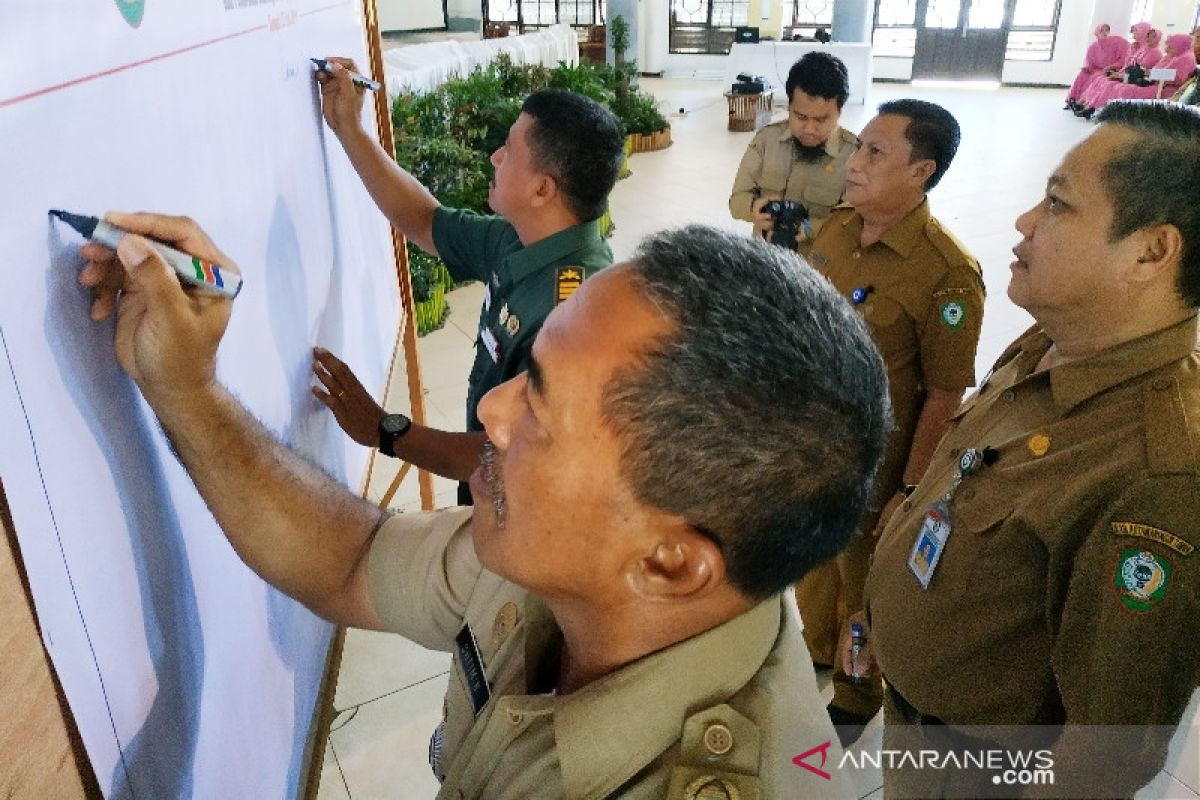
[1045,571]
[921,294]
[802,158]
[696,429]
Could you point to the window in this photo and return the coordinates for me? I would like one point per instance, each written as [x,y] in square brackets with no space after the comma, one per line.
[895,28]
[531,14]
[706,26]
[1031,35]
[1142,9]
[803,17]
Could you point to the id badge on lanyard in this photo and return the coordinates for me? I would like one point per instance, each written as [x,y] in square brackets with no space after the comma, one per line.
[936,527]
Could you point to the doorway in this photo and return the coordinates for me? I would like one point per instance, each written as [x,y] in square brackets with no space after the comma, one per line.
[961,39]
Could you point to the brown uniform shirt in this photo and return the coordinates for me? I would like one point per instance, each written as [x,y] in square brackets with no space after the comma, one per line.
[921,294]
[1069,586]
[719,715]
[770,165]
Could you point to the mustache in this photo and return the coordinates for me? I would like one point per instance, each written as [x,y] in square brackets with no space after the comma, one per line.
[489,461]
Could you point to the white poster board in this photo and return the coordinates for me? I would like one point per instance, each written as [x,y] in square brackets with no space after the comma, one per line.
[186,675]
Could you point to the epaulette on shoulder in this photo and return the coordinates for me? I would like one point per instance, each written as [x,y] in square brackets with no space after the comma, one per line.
[951,249]
[1171,408]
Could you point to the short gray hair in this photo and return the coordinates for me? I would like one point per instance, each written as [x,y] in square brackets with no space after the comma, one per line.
[762,419]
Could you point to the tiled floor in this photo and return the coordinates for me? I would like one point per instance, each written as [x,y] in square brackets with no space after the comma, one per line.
[389,694]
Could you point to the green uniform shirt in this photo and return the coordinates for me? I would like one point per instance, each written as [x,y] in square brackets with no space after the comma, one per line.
[721,715]
[521,286]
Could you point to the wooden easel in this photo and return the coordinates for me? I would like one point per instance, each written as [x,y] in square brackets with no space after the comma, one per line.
[41,752]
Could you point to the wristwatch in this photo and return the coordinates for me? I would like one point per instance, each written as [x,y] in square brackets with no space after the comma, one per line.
[391,428]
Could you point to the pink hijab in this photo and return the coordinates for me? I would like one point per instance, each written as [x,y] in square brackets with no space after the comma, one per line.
[1109,51]
[1179,57]
[1139,47]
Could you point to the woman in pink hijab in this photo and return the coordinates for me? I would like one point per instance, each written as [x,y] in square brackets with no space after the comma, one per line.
[1144,53]
[1107,52]
[1179,57]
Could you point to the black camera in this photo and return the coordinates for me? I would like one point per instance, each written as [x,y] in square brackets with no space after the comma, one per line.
[790,217]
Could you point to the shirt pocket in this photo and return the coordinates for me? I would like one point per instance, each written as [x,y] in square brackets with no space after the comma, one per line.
[889,324]
[820,196]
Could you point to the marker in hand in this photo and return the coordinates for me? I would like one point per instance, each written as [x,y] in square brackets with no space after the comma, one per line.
[191,270]
[359,80]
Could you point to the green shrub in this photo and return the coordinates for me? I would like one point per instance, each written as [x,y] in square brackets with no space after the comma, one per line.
[639,113]
[445,138]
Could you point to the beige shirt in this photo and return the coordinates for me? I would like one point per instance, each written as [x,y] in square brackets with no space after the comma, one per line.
[770,166]
[720,715]
[1069,586]
[921,294]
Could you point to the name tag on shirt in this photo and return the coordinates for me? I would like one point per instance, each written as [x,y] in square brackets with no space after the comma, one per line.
[931,541]
[471,664]
[489,341]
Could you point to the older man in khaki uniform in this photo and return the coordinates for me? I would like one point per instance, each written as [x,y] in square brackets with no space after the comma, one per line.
[1045,570]
[921,294]
[616,599]
[802,158]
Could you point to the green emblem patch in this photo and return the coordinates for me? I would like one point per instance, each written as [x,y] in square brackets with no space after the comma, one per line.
[1141,579]
[132,10]
[952,314]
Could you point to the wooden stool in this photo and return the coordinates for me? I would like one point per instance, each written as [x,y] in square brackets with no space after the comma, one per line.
[744,110]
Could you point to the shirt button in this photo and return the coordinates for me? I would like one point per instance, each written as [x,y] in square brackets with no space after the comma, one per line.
[515,717]
[1161,384]
[718,739]
[856,254]
[1009,395]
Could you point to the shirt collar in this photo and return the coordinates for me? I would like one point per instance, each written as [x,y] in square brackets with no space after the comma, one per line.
[903,236]
[554,248]
[1077,381]
[832,144]
[602,732]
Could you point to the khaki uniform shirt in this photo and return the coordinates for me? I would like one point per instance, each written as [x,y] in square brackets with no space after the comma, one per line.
[770,165]
[522,285]
[921,294]
[1069,586]
[720,715]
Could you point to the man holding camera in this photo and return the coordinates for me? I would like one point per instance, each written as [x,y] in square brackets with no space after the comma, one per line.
[921,294]
[801,160]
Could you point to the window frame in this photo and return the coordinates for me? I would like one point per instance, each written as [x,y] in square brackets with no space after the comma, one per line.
[599,14]
[806,28]
[716,39]
[1052,29]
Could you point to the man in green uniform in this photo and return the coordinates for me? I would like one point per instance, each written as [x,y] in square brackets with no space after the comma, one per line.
[921,294]
[1045,570]
[551,185]
[696,429]
[802,158]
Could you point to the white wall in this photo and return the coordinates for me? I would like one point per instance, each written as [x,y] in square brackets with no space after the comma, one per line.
[1077,19]
[408,15]
[1074,35]
[1173,16]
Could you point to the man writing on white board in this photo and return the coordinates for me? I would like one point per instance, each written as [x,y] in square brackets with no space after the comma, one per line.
[697,429]
[551,184]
